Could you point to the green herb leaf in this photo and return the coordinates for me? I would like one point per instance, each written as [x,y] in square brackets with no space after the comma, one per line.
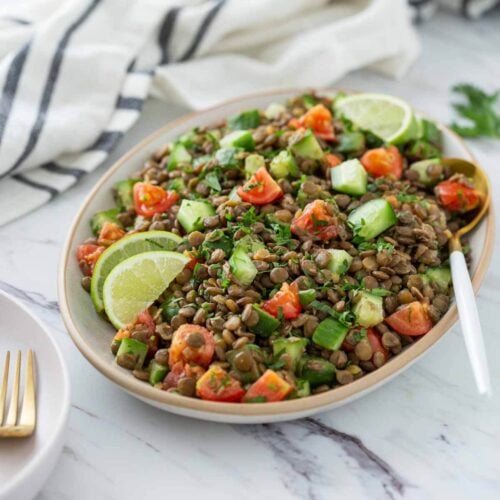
[226,157]
[380,292]
[282,233]
[212,180]
[480,109]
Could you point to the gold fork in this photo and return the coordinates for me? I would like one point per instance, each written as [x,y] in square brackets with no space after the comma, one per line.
[25,425]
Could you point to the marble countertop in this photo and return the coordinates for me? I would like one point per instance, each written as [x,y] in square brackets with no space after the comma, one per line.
[426,434]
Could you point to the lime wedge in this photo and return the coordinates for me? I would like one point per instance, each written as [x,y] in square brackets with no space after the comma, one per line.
[389,118]
[134,284]
[123,249]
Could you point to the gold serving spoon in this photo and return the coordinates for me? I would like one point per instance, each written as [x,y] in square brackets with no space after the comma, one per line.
[462,285]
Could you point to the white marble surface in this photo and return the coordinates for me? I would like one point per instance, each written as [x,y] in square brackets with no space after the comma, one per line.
[425,435]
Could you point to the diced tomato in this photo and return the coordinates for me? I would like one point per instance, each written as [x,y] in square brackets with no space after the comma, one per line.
[268,388]
[410,319]
[376,344]
[456,196]
[192,260]
[382,162]
[89,254]
[260,189]
[150,200]
[315,220]
[393,201]
[319,120]
[286,300]
[173,376]
[180,350]
[332,160]
[145,318]
[217,385]
[109,233]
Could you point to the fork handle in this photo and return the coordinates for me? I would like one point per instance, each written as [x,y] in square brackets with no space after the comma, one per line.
[469,321]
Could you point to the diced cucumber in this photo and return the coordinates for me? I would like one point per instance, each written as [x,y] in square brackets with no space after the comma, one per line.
[274,110]
[349,177]
[421,168]
[226,157]
[372,218]
[340,262]
[191,214]
[307,296]
[369,310]
[218,239]
[177,184]
[244,120]
[303,388]
[440,276]
[284,165]
[169,309]
[316,370]
[350,142]
[294,347]
[134,347]
[305,145]
[250,243]
[100,218]
[266,325]
[330,334]
[253,163]
[124,193]
[157,372]
[233,195]
[178,155]
[238,139]
[241,266]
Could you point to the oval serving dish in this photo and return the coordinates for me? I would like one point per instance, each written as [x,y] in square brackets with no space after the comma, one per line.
[92,334]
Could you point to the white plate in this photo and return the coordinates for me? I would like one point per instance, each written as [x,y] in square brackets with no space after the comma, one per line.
[26,463]
[93,335]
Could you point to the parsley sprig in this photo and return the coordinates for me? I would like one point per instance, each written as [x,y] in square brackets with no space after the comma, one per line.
[480,109]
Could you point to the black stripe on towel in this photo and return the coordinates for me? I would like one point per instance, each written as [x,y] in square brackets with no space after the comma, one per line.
[129,103]
[50,84]
[57,169]
[37,185]
[165,33]
[204,26]
[10,86]
[106,141]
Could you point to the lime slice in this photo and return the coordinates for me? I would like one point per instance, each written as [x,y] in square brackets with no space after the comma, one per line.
[134,284]
[123,249]
[389,118]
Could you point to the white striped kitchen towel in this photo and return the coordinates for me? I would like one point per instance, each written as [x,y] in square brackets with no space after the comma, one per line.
[75,73]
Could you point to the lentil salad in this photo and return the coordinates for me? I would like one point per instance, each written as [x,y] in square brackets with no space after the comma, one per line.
[316,252]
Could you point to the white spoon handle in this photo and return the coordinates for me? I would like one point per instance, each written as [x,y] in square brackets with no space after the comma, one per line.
[469,321]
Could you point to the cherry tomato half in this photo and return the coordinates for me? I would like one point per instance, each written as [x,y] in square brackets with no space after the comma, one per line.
[287,300]
[411,319]
[315,220]
[150,200]
[260,189]
[319,120]
[217,385]
[268,388]
[456,196]
[88,254]
[199,348]
[109,233]
[382,162]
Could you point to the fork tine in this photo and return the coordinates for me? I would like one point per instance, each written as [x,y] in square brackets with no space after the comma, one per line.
[28,411]
[14,400]
[3,390]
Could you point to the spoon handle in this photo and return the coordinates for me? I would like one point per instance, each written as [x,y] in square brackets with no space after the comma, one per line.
[469,321]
